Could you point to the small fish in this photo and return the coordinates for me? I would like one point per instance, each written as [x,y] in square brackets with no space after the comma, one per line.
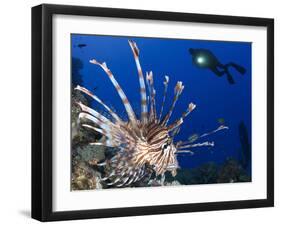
[81,46]
[221,121]
[204,58]
[193,137]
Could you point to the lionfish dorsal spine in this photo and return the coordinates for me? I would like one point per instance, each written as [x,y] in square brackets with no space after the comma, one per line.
[177,123]
[144,110]
[126,103]
[166,82]
[177,92]
[152,92]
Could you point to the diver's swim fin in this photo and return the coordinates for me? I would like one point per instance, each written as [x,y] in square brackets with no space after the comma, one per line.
[217,72]
[230,78]
[239,68]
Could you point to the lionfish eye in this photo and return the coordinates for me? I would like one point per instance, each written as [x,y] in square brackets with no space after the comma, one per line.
[165,146]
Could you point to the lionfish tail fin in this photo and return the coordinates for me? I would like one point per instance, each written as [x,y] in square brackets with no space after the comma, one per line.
[135,51]
[127,105]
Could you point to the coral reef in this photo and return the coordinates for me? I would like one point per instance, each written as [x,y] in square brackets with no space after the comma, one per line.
[90,153]
[231,171]
[205,174]
[209,173]
[84,177]
[80,135]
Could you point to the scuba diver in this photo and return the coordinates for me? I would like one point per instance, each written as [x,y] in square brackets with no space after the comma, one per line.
[204,58]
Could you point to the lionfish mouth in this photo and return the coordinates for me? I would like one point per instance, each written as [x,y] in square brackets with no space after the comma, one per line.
[145,145]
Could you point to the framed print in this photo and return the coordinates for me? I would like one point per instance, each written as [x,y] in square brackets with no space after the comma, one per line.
[147,112]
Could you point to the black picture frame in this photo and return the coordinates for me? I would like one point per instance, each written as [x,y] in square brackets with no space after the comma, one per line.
[42,111]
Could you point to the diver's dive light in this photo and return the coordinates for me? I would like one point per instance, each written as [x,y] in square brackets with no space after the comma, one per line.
[200,60]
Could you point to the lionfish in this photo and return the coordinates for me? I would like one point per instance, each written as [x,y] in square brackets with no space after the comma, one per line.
[145,144]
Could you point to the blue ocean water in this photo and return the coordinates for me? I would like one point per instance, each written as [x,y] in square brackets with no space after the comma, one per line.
[214,97]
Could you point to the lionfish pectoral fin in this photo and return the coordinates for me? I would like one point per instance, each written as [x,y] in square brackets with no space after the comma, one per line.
[206,143]
[184,143]
[221,127]
[95,120]
[185,151]
[90,94]
[94,113]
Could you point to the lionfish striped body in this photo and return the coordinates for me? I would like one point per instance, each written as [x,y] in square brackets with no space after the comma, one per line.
[146,144]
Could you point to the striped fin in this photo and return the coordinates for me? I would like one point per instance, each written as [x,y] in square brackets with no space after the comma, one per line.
[177,123]
[190,108]
[113,136]
[185,152]
[207,143]
[149,91]
[176,131]
[164,95]
[149,79]
[135,51]
[120,177]
[128,107]
[97,121]
[109,176]
[182,143]
[115,181]
[132,177]
[94,113]
[139,175]
[214,131]
[178,90]
[107,143]
[123,182]
[90,94]
[101,131]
